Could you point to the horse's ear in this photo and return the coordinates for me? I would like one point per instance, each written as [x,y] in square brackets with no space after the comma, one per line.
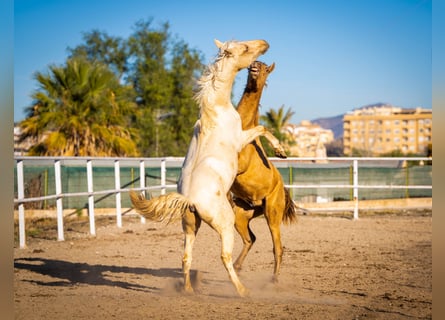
[271,67]
[218,43]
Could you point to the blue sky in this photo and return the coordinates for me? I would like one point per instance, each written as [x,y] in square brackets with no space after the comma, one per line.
[331,56]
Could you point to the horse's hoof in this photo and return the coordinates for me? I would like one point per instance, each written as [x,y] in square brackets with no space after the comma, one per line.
[244,293]
[280,153]
[188,292]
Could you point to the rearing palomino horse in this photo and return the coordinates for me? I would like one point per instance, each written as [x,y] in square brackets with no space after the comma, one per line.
[258,187]
[211,163]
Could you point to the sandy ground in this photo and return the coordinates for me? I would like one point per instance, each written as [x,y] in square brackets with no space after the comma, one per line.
[377,267]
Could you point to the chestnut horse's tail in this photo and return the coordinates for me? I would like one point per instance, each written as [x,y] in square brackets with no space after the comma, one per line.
[291,209]
[169,207]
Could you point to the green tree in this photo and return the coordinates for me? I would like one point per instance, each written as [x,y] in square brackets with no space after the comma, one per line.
[101,47]
[80,109]
[186,67]
[151,71]
[163,72]
[152,85]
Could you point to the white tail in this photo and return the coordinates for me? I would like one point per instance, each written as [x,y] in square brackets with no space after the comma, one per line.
[170,207]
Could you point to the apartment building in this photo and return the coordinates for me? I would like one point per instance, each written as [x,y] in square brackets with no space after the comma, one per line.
[309,138]
[382,129]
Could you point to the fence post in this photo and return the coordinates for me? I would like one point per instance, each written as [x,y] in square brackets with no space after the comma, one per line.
[407,180]
[163,170]
[142,181]
[351,181]
[355,178]
[90,197]
[59,205]
[291,179]
[45,187]
[117,181]
[20,196]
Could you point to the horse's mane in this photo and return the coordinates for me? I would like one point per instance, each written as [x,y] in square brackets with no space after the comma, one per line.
[207,81]
[206,89]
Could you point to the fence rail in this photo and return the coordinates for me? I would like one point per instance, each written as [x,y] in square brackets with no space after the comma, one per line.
[163,164]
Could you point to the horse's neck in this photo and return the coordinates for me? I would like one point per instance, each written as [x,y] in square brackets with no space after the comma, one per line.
[248,108]
[222,89]
[217,93]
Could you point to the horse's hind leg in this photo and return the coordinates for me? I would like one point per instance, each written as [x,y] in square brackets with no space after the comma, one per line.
[274,215]
[190,225]
[224,227]
[242,218]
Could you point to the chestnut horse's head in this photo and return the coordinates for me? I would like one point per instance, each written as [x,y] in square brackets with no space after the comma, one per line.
[257,76]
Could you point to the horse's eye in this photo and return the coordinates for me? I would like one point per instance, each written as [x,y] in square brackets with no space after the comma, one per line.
[227,53]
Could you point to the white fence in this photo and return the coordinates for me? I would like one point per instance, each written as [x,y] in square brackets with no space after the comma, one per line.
[164,164]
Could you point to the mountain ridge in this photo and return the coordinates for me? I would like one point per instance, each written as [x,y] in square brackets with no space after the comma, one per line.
[334,123]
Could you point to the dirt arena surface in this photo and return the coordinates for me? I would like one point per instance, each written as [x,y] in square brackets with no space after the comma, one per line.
[377,267]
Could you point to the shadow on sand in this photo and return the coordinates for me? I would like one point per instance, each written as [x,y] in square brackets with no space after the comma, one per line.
[73,273]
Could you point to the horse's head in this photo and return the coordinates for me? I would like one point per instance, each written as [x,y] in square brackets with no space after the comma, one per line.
[257,76]
[259,71]
[241,53]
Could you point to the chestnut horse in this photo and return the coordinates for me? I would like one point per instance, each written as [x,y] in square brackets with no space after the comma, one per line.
[211,163]
[258,187]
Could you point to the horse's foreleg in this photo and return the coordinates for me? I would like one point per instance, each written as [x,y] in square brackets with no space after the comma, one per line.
[242,226]
[275,143]
[251,134]
[190,226]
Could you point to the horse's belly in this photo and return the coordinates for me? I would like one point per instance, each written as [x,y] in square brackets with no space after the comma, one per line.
[255,184]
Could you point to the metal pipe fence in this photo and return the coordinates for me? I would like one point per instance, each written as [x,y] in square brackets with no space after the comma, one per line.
[159,183]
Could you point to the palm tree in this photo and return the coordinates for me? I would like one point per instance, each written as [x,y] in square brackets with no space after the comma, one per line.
[80,109]
[276,121]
